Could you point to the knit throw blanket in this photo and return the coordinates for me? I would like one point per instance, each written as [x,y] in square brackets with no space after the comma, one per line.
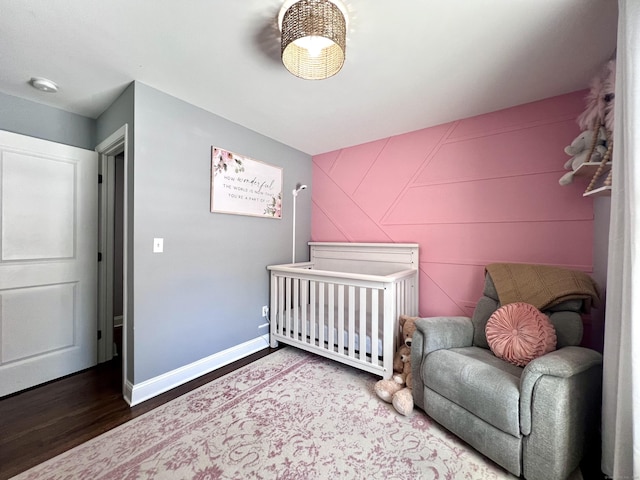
[542,286]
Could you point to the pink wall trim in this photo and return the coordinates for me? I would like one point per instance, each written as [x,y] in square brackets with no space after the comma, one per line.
[471,192]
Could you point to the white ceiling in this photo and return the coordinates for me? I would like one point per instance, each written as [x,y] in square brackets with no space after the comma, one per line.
[410,64]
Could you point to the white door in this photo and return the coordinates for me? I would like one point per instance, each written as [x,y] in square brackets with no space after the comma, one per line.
[48,260]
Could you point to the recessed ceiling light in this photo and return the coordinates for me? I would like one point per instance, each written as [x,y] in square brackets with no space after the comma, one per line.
[43,84]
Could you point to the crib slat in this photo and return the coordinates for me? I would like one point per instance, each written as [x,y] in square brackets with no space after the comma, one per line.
[409,297]
[403,296]
[321,308]
[331,310]
[296,307]
[374,325]
[341,319]
[280,311]
[311,332]
[362,330]
[288,307]
[352,320]
[413,296]
[390,328]
[305,306]
[273,302]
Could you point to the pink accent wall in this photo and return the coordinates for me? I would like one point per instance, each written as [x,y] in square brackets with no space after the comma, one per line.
[472,192]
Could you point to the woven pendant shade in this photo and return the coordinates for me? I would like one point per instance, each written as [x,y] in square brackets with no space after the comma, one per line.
[313,39]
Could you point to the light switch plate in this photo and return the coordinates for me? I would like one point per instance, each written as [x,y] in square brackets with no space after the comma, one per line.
[158,245]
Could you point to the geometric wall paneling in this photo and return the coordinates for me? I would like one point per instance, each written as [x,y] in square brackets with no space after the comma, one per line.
[521,242]
[330,231]
[484,157]
[549,110]
[463,284]
[394,169]
[351,166]
[435,301]
[326,160]
[472,192]
[343,212]
[535,197]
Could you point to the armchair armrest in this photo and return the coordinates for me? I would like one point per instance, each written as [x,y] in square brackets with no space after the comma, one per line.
[435,334]
[440,332]
[563,363]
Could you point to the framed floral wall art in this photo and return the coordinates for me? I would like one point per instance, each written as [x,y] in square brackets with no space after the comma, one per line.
[243,186]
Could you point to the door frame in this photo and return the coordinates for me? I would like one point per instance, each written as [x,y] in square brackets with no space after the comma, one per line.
[116,143]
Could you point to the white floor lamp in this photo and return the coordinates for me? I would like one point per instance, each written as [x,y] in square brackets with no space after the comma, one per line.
[293,244]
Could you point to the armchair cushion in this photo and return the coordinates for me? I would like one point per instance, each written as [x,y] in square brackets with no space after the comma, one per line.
[568,325]
[479,382]
[519,332]
[483,311]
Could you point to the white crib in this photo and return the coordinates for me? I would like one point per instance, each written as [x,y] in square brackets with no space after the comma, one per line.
[344,303]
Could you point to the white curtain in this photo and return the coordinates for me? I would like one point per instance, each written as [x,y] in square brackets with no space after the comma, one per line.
[621,388]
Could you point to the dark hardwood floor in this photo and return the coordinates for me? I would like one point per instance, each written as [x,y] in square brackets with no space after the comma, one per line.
[42,422]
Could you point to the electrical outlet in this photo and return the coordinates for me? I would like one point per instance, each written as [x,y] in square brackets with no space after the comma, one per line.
[265,311]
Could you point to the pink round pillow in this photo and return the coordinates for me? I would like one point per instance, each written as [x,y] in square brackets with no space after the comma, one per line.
[519,332]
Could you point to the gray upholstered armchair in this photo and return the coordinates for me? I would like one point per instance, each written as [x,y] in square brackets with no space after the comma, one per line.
[533,421]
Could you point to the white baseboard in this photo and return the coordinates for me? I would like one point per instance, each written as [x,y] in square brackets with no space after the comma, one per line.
[138,393]
[128,392]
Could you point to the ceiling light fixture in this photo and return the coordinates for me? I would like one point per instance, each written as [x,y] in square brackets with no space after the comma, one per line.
[313,37]
[43,84]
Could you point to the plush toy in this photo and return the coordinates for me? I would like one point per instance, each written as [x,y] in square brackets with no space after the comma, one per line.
[404,371]
[403,401]
[580,148]
[386,389]
[398,390]
[609,87]
[600,112]
[407,328]
[398,360]
[600,100]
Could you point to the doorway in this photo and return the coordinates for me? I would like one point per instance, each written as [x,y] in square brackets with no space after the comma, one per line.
[113,323]
[118,248]
[110,256]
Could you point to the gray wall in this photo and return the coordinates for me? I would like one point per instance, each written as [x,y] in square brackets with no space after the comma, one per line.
[40,121]
[121,112]
[204,294]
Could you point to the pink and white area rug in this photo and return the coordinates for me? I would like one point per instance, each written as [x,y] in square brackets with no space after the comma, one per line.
[290,415]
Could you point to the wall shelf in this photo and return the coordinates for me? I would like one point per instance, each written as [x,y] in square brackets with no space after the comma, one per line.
[598,192]
[588,169]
